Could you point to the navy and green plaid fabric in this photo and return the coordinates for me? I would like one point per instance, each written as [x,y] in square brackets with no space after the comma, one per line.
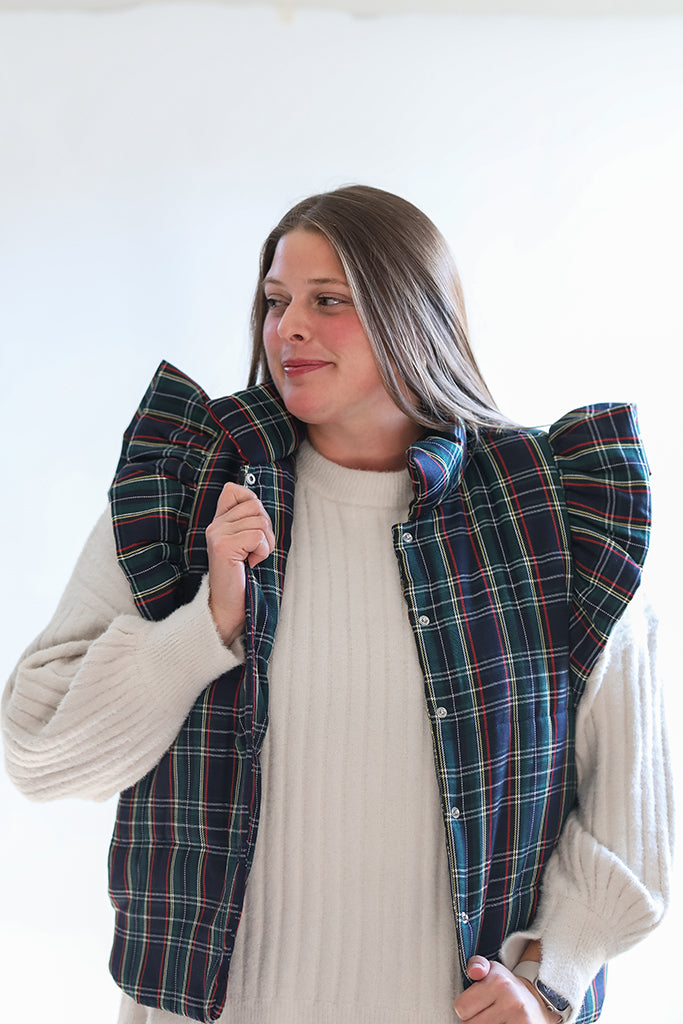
[519,555]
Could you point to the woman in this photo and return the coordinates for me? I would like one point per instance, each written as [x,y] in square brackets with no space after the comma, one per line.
[295,575]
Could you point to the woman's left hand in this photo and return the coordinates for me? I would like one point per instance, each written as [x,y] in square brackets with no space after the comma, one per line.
[499,997]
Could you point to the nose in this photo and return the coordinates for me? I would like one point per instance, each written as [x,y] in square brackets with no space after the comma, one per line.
[294,323]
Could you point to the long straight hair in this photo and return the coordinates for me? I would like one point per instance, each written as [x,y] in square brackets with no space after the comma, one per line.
[407,292]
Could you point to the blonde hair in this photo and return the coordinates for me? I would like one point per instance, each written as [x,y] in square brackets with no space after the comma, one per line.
[409,299]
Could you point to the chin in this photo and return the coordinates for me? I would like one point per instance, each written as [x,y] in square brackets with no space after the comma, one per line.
[302,410]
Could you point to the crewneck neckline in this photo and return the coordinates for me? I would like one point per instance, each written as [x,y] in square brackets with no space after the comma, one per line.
[390,489]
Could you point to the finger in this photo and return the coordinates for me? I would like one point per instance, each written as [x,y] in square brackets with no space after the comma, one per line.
[476,1004]
[260,552]
[232,495]
[235,506]
[234,523]
[229,526]
[477,968]
[251,506]
[228,543]
[476,999]
[252,525]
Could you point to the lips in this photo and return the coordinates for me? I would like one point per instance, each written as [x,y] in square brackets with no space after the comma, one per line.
[298,367]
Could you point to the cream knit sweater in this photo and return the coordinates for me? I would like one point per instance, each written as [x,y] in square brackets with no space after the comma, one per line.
[347,918]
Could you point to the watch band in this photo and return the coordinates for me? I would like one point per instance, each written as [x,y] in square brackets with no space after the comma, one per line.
[529,970]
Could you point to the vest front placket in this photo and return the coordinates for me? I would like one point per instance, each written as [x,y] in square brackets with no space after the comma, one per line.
[273,484]
[424,620]
[501,733]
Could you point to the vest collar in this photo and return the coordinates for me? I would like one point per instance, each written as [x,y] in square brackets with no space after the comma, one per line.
[436,463]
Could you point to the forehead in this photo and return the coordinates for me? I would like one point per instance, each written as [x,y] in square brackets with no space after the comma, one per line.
[306,256]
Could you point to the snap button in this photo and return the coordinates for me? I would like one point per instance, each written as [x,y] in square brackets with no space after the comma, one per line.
[455,813]
[424,620]
[250,478]
[441,712]
[407,537]
[465,918]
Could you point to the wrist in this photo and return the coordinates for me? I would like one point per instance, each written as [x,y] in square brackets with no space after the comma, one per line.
[557,1008]
[548,1015]
[229,624]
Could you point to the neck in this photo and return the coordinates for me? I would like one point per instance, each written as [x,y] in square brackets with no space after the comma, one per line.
[382,451]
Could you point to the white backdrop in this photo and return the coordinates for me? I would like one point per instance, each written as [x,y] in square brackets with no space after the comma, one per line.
[145,155]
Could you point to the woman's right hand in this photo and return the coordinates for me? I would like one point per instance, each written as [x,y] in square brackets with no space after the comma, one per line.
[241,531]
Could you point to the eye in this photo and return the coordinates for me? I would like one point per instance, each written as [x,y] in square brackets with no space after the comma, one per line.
[330,300]
[273,303]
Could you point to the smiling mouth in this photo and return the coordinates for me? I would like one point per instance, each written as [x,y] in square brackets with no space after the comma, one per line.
[298,367]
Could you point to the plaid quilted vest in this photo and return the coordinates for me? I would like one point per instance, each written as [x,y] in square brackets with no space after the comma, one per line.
[519,554]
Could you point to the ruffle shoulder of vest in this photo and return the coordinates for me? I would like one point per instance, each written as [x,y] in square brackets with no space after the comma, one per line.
[605,475]
[167,452]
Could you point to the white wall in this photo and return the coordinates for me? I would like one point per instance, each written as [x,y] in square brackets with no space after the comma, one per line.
[145,155]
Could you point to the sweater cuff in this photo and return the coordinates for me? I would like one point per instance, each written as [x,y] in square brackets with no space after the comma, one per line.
[573,949]
[188,637]
[592,908]
[175,659]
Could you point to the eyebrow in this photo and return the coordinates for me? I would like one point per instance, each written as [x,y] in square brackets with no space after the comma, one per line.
[311,280]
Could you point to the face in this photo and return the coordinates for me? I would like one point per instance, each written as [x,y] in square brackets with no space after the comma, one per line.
[318,353]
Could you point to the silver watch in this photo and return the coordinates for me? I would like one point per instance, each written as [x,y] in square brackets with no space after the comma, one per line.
[529,969]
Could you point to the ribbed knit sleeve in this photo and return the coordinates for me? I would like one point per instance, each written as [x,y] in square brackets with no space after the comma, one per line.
[101,693]
[606,885]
